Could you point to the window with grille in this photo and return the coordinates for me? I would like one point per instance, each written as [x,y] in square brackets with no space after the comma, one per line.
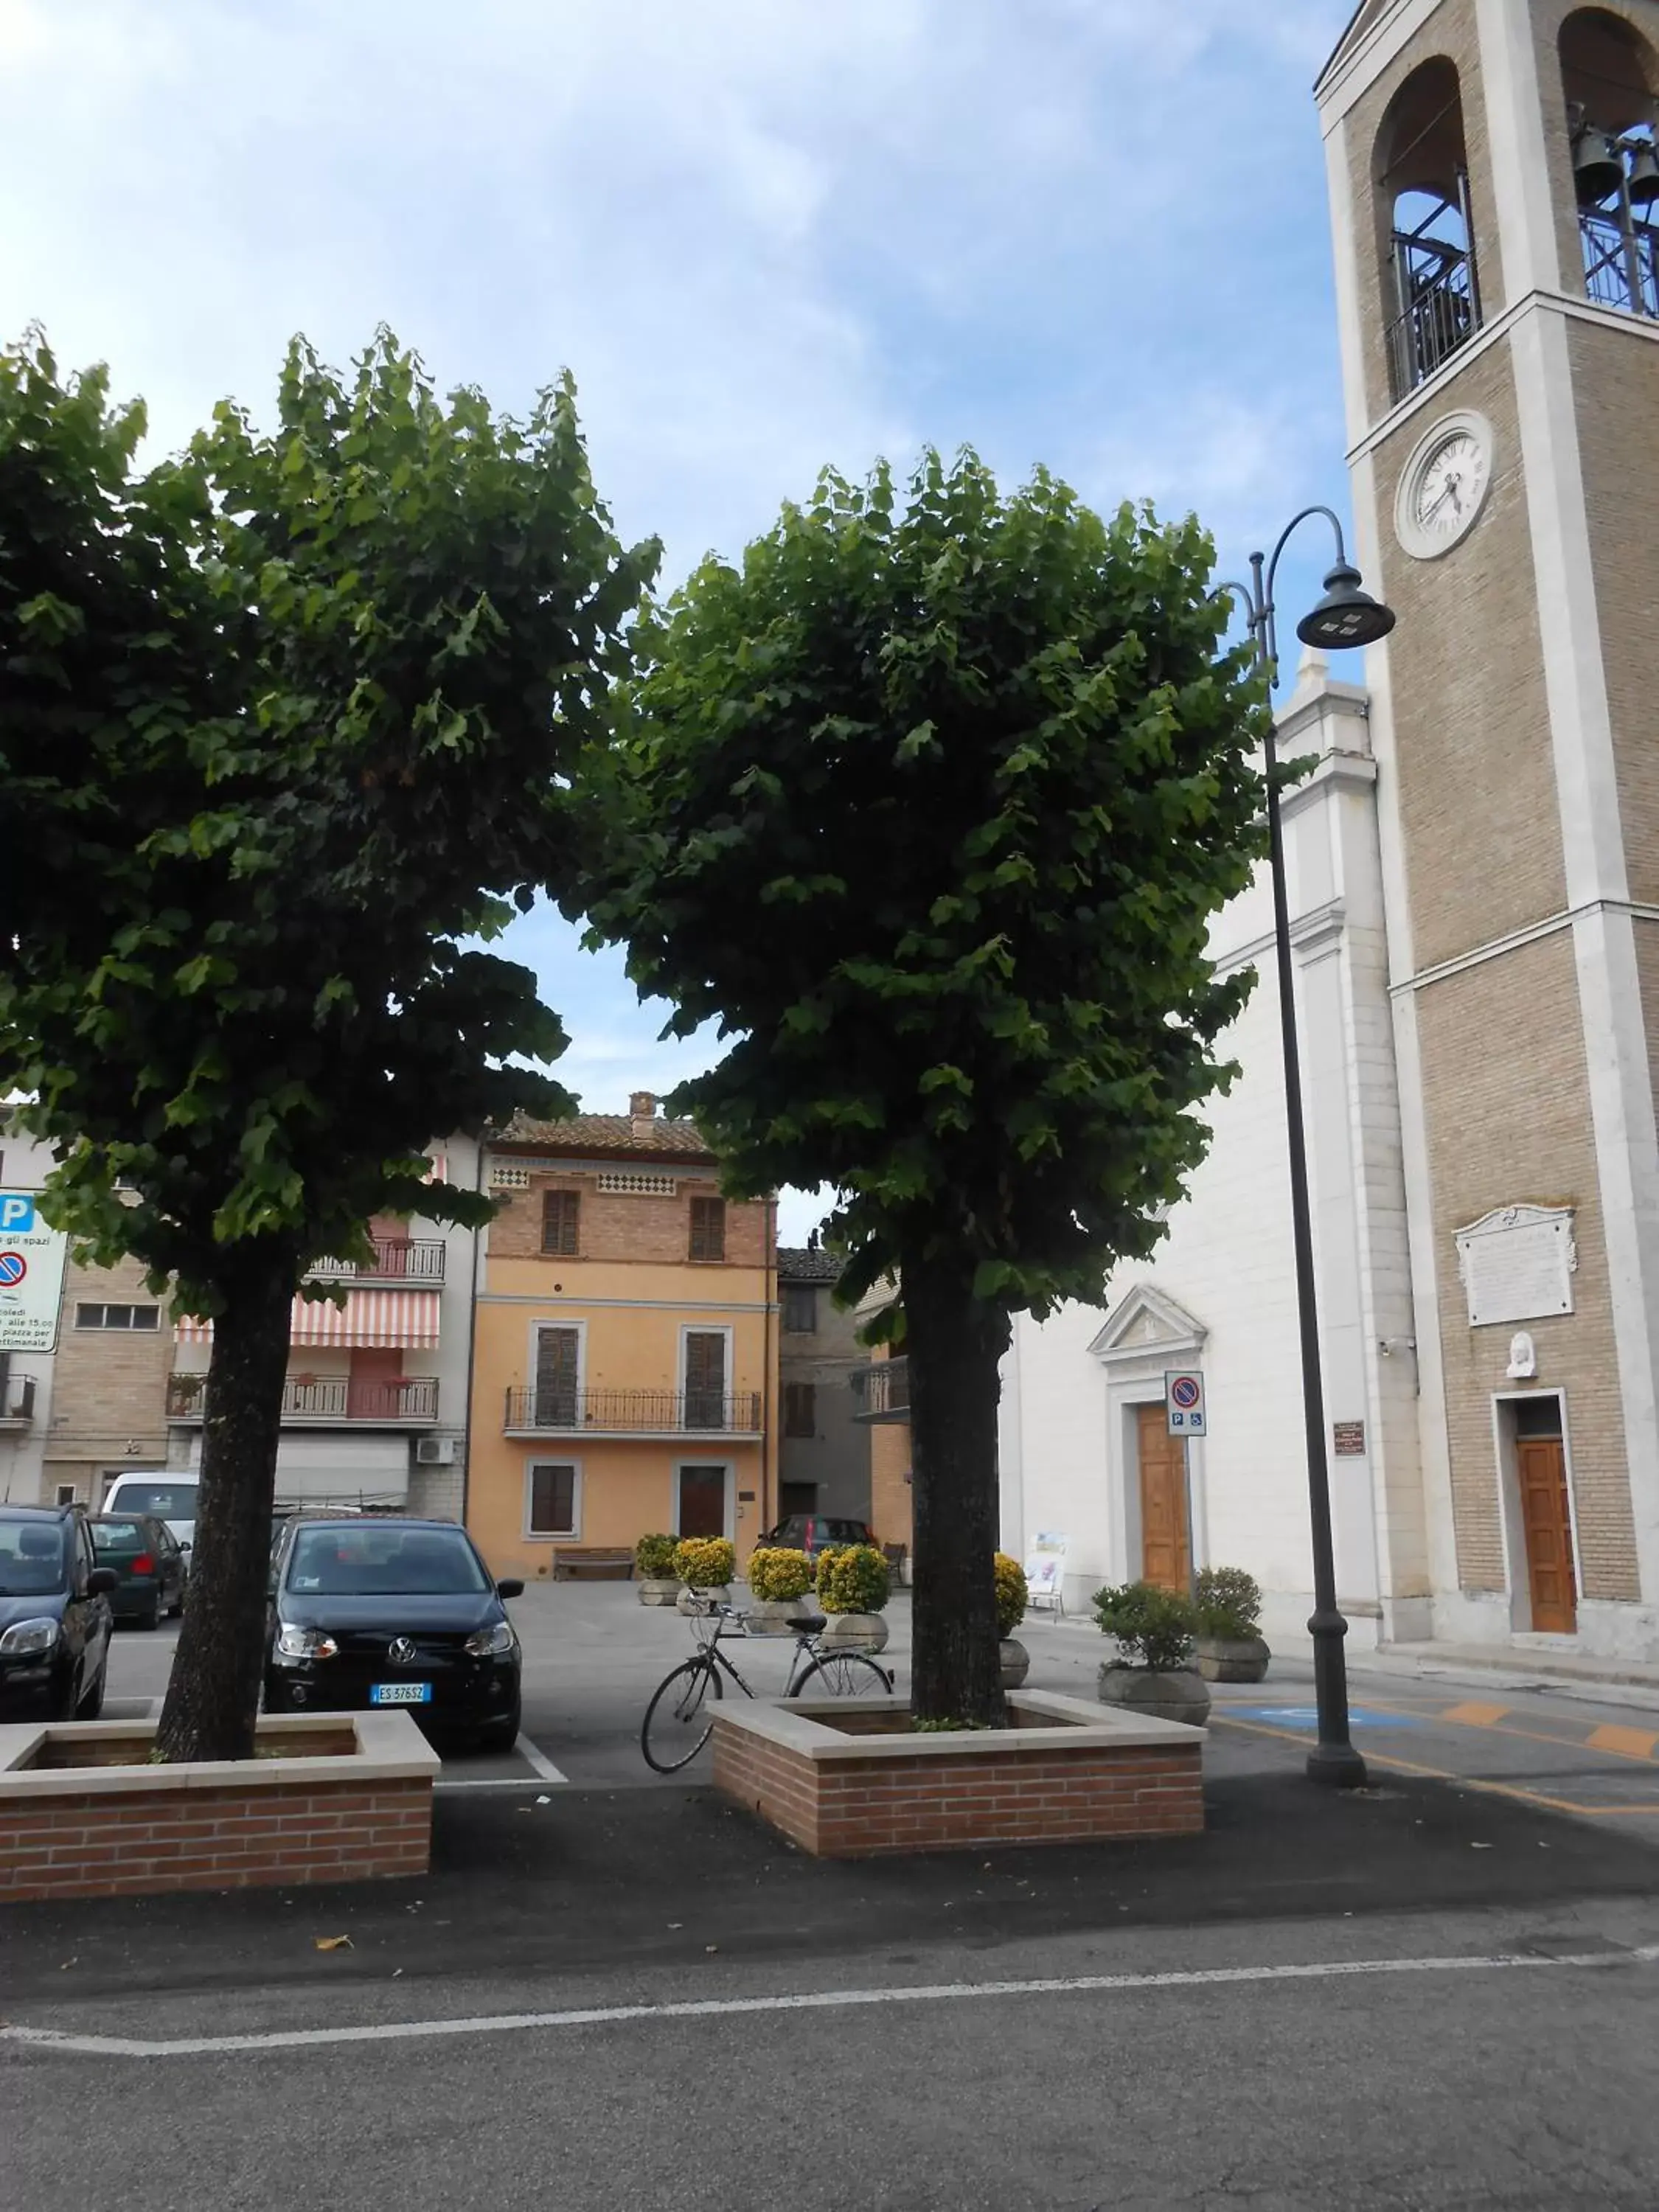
[106,1316]
[708,1229]
[552,1489]
[800,1309]
[800,1409]
[631,1183]
[560,1220]
[504,1174]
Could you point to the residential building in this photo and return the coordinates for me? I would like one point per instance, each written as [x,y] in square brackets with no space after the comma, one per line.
[626,1370]
[374,1406]
[824,1450]
[109,1384]
[881,1388]
[1473,872]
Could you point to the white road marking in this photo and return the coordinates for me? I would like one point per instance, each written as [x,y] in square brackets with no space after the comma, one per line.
[305,2039]
[523,1783]
[543,1766]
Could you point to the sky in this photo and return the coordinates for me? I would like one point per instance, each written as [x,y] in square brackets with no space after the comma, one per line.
[763,235]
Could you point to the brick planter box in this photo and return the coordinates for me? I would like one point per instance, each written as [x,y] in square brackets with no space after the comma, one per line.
[847,1778]
[82,1814]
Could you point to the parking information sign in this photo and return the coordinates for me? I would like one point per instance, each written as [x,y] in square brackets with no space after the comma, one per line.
[1183,1396]
[30,1275]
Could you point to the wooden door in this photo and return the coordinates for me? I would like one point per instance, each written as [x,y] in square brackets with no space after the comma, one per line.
[702,1501]
[1542,1463]
[1165,1542]
[705,1379]
[557,1352]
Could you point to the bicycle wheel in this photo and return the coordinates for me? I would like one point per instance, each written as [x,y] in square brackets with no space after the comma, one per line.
[678,1721]
[844,1675]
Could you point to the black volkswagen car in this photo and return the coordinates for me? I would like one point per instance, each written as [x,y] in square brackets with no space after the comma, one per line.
[54,1616]
[373,1611]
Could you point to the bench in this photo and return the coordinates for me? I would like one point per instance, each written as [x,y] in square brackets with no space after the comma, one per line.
[594,1566]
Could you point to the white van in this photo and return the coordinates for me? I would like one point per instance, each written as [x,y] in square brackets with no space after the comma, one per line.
[170,1497]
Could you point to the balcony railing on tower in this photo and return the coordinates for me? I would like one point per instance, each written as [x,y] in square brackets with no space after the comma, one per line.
[1439,291]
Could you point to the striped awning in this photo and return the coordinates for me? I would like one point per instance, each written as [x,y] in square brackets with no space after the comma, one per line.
[406,1321]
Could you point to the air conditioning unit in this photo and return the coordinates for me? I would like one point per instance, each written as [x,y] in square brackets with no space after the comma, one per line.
[434,1451]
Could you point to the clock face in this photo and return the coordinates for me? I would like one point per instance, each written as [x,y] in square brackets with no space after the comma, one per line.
[1445,486]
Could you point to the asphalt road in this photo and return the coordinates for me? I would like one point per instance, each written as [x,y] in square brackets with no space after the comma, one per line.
[1436,1994]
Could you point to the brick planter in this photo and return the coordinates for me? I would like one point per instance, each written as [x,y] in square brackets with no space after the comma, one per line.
[847,1778]
[82,1815]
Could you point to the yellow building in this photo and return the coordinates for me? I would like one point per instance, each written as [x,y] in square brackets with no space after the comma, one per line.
[626,1345]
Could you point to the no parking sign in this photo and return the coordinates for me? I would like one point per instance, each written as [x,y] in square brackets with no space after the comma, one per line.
[1183,1398]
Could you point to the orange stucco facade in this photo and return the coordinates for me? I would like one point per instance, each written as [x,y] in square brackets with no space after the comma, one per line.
[620,1385]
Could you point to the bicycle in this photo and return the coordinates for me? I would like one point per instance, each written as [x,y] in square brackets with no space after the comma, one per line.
[677,1722]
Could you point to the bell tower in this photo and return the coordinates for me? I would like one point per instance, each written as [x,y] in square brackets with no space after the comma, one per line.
[1494,188]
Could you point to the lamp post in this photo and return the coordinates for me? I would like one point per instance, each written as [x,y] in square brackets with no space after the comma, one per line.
[1347,616]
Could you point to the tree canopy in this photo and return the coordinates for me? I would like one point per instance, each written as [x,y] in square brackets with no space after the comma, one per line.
[287,723]
[930,803]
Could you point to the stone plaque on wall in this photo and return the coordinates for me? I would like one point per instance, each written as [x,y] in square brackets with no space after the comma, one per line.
[1517,1264]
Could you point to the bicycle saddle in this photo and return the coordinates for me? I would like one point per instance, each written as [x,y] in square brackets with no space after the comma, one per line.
[809,1624]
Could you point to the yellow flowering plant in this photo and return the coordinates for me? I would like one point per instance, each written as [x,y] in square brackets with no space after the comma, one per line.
[1012,1594]
[852,1578]
[705,1562]
[777,1575]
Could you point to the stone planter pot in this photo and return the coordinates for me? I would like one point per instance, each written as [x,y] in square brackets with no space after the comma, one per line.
[774,1616]
[856,1631]
[1176,1696]
[658,1591]
[702,1601]
[1232,1658]
[1016,1663]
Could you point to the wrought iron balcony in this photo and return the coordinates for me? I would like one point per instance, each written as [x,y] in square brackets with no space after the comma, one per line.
[633,1412]
[397,1260]
[16,1400]
[883,1391]
[384,1401]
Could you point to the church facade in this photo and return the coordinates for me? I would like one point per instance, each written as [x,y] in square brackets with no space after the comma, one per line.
[1473,872]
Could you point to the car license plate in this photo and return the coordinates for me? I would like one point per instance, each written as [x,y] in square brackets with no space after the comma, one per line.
[401,1693]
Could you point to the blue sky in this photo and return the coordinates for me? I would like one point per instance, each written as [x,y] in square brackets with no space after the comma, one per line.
[764,234]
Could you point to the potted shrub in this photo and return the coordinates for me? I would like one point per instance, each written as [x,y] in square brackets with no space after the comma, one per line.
[1156,1630]
[706,1566]
[654,1560]
[853,1582]
[1011,1595]
[1230,1645]
[778,1580]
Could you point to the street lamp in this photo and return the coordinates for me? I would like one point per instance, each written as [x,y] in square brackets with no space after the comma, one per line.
[1347,616]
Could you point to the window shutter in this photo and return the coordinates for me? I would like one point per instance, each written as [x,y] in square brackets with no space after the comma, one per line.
[708,1229]
[557,1355]
[552,1501]
[561,1222]
[800,1409]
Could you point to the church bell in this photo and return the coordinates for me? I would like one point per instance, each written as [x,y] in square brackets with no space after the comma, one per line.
[1643,185]
[1597,169]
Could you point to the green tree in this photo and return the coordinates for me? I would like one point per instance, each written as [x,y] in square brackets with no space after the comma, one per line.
[929,806]
[284,723]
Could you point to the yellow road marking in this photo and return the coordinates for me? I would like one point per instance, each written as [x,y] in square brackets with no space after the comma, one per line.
[1445,1774]
[1628,1742]
[1618,1742]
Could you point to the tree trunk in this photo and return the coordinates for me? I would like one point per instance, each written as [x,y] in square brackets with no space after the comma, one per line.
[213,1698]
[955,1343]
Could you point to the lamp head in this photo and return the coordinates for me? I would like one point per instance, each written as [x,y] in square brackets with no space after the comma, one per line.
[1347,614]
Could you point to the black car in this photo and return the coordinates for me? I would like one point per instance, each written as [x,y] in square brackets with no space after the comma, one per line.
[54,1615]
[149,1558]
[383,1613]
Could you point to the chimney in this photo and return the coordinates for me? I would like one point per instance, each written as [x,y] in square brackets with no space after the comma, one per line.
[642,1111]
